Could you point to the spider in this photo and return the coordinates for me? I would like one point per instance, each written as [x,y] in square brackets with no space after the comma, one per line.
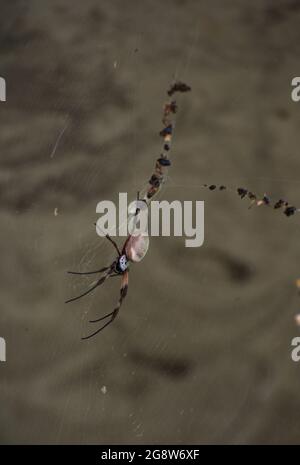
[134,250]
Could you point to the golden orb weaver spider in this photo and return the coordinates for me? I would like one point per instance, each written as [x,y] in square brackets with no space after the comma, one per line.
[134,250]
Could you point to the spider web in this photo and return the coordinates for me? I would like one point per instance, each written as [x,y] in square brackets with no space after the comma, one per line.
[204,335]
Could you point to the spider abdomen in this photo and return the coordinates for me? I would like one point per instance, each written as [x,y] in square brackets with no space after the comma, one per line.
[137,247]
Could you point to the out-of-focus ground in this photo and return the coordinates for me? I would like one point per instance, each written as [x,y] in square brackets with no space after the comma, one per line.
[201,350]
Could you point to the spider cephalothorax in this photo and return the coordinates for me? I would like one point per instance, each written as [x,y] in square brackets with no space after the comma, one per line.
[122,264]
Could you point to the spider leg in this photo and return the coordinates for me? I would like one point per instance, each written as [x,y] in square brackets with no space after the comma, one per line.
[114,313]
[113,243]
[89,272]
[98,283]
[123,292]
[102,318]
[111,240]
[98,330]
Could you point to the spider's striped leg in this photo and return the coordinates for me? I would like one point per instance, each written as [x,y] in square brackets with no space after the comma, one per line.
[114,313]
[98,283]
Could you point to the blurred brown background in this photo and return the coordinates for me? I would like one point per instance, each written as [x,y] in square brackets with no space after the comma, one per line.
[201,351]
